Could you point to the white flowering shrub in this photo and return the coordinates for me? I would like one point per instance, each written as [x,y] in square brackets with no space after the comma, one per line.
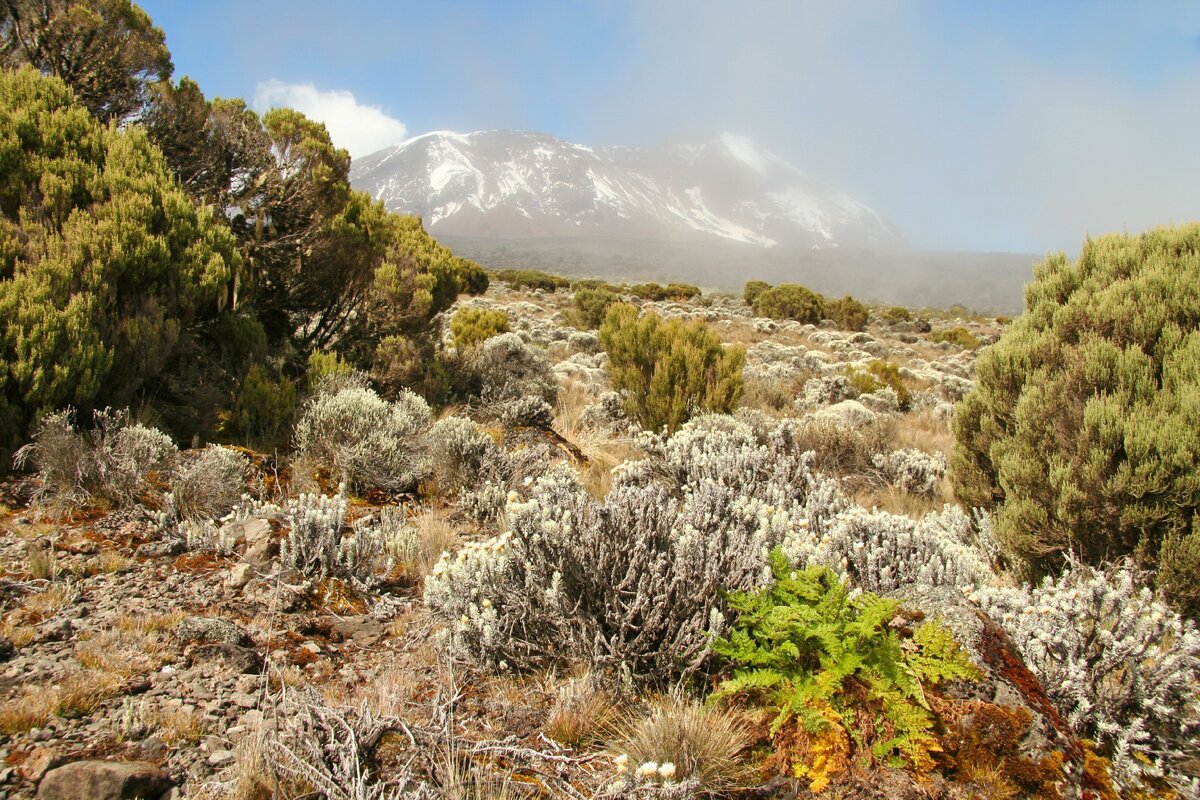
[208,484]
[113,460]
[467,461]
[911,470]
[316,548]
[367,440]
[528,412]
[826,390]
[1122,668]
[508,369]
[632,584]
[880,552]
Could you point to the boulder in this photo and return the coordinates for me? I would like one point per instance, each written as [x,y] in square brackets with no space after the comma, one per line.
[104,780]
[211,630]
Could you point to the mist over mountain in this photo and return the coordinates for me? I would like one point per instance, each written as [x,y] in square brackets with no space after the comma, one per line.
[715,211]
[518,184]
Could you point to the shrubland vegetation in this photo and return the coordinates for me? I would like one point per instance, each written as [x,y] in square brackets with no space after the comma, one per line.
[556,540]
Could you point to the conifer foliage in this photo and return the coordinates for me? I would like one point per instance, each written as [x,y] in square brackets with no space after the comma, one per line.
[669,369]
[105,263]
[1084,427]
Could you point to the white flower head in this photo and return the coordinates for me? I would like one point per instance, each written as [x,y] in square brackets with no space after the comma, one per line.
[648,770]
[621,762]
[666,770]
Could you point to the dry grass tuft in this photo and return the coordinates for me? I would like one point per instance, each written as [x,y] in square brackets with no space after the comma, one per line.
[110,562]
[32,709]
[585,714]
[924,430]
[19,635]
[81,693]
[704,743]
[178,727]
[602,449]
[124,652]
[51,599]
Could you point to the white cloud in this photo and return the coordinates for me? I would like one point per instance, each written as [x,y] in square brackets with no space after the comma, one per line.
[361,129]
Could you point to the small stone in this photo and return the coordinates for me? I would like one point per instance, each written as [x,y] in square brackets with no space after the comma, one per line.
[228,658]
[240,575]
[40,761]
[244,700]
[221,758]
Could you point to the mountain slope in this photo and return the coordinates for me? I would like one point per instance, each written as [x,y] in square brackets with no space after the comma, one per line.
[522,185]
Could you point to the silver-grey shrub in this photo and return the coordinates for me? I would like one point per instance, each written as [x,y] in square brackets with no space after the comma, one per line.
[208,484]
[911,470]
[631,584]
[316,548]
[112,461]
[466,461]
[1122,667]
[882,553]
[508,369]
[368,441]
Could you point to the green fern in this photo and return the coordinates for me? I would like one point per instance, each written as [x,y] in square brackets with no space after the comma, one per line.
[804,644]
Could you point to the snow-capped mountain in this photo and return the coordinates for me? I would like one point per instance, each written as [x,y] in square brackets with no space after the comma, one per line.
[522,185]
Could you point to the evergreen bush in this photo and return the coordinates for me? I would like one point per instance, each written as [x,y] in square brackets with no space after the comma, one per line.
[1082,428]
[790,301]
[471,326]
[669,370]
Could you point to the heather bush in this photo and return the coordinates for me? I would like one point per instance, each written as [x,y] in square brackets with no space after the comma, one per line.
[790,301]
[878,375]
[957,335]
[895,314]
[470,326]
[366,440]
[208,484]
[847,313]
[508,369]
[1122,667]
[531,279]
[590,307]
[114,461]
[669,370]
[1080,429]
[753,289]
[262,410]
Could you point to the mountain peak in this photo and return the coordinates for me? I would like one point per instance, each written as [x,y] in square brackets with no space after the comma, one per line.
[506,184]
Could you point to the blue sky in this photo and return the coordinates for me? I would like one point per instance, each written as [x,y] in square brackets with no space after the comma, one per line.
[1019,126]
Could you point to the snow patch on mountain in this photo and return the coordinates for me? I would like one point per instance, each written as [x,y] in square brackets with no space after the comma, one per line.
[518,185]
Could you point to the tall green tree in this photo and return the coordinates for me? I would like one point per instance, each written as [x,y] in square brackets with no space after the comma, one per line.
[106,266]
[1083,430]
[108,51]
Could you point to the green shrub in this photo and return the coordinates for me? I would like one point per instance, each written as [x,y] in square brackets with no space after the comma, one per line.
[682,291]
[790,301]
[848,313]
[818,657]
[753,289]
[470,326]
[591,306]
[262,411]
[669,369]
[531,279]
[323,365]
[107,269]
[876,376]
[594,283]
[1082,428]
[957,335]
[896,314]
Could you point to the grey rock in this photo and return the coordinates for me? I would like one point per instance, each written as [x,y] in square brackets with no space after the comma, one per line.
[104,780]
[211,630]
[227,658]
